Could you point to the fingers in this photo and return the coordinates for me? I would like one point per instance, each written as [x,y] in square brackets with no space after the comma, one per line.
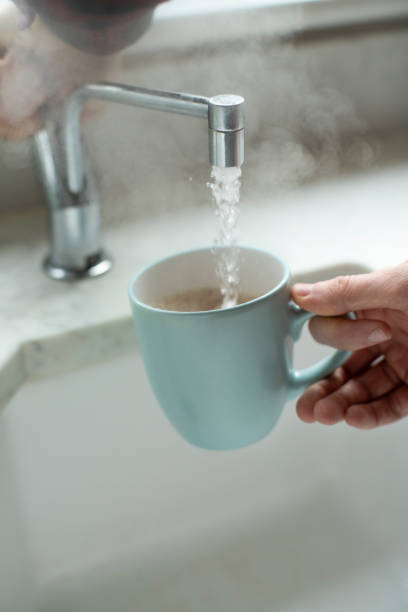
[353,366]
[349,335]
[383,411]
[368,386]
[329,401]
[386,288]
[305,406]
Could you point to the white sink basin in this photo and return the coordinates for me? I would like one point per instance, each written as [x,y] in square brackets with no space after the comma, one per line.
[106,509]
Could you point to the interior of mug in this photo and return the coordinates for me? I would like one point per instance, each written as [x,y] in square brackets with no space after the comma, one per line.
[260,273]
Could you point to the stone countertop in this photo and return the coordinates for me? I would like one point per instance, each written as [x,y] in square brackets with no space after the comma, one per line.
[48,327]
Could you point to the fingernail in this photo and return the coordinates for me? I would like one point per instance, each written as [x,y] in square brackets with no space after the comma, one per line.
[302,290]
[378,335]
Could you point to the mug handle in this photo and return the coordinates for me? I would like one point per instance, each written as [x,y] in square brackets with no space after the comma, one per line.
[300,379]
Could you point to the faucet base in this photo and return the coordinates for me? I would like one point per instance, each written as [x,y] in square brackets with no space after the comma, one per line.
[96,266]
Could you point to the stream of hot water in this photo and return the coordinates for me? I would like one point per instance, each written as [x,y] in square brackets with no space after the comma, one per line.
[225,188]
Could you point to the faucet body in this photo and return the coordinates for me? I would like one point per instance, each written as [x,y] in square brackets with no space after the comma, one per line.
[74,211]
[73,220]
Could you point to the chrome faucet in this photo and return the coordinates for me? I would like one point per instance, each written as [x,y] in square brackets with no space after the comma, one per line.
[74,211]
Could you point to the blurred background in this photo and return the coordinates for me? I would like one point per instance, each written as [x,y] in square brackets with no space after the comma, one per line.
[324,80]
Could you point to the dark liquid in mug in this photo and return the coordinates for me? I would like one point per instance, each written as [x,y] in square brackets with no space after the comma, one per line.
[195,300]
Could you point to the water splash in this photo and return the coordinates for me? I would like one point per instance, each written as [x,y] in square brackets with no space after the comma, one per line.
[226,194]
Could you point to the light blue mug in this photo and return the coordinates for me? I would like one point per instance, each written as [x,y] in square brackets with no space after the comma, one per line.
[222,377]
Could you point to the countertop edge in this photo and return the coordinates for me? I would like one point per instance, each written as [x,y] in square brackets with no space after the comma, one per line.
[63,352]
[60,353]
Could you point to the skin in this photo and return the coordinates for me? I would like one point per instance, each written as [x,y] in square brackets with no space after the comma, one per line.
[38,72]
[371,388]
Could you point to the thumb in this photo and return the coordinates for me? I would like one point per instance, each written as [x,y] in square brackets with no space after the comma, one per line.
[387,288]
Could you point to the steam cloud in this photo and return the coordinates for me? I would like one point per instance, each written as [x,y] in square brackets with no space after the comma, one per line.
[298,125]
[37,73]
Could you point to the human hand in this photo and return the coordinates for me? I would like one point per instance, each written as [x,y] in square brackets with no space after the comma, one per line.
[371,388]
[38,72]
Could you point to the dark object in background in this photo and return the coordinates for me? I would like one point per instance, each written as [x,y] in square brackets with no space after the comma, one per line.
[100,27]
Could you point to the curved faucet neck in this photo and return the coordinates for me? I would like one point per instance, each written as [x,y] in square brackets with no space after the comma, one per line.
[224,114]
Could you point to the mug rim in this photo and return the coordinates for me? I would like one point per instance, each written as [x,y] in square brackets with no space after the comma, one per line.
[145,269]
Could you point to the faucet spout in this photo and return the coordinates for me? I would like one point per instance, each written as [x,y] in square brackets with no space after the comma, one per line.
[225,115]
[226,125]
[73,204]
